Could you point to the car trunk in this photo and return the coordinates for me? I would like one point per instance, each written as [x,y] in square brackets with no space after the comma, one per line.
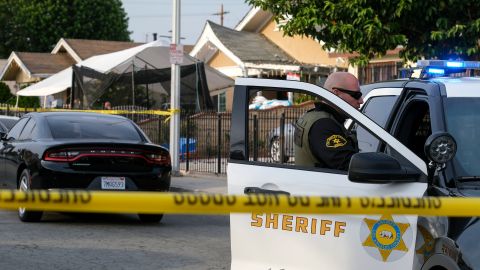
[98,156]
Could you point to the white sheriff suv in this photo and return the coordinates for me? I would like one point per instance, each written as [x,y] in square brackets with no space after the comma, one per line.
[417,137]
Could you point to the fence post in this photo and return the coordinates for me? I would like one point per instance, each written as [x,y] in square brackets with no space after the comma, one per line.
[187,150]
[219,143]
[282,137]
[159,135]
[8,109]
[255,138]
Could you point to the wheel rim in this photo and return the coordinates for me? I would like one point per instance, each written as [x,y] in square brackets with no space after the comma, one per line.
[23,187]
[275,150]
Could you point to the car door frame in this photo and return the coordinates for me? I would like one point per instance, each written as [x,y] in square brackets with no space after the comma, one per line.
[239,152]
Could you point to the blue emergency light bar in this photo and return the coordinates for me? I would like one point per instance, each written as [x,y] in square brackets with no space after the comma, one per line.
[449,64]
[436,71]
[434,68]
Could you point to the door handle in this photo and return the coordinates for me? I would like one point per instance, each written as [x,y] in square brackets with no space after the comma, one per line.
[257,190]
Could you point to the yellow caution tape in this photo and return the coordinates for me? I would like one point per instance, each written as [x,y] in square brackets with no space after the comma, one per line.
[195,203]
[168,113]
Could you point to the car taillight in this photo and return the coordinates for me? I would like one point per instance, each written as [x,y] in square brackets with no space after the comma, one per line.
[72,155]
[64,156]
[159,158]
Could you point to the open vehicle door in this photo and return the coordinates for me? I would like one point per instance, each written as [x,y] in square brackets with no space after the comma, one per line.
[297,241]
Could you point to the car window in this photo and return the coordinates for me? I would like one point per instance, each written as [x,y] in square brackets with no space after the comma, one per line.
[8,123]
[463,122]
[28,131]
[17,129]
[376,109]
[272,115]
[278,129]
[92,127]
[3,128]
[414,126]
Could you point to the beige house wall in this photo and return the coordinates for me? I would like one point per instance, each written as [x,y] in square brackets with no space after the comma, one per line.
[22,77]
[221,60]
[303,49]
[229,99]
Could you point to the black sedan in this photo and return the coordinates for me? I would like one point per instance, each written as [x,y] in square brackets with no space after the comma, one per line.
[73,150]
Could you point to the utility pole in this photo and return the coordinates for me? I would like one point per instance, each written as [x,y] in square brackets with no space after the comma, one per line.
[175,93]
[221,13]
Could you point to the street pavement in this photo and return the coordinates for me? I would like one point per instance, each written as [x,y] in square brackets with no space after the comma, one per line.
[199,182]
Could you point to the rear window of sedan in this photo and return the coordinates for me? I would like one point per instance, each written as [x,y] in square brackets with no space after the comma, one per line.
[92,127]
[8,123]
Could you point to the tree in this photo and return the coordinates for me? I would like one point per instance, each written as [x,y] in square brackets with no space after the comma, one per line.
[36,25]
[429,28]
[5,95]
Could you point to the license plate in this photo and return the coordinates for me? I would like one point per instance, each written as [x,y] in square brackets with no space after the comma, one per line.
[113,182]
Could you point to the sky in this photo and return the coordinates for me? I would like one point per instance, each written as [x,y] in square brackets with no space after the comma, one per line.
[155,16]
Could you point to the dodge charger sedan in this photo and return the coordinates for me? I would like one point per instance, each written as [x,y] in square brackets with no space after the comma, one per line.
[73,150]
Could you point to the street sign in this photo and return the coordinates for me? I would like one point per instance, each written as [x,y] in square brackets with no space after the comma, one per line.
[176,54]
[293,76]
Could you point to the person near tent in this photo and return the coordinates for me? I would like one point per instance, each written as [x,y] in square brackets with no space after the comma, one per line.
[48,102]
[77,104]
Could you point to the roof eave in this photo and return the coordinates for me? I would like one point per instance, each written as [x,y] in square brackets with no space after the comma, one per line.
[276,66]
[208,35]
[14,58]
[62,43]
[254,20]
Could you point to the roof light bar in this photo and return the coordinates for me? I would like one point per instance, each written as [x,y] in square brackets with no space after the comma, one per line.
[449,64]
[455,64]
[436,71]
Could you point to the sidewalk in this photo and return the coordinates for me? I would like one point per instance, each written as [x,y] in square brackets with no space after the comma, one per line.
[209,183]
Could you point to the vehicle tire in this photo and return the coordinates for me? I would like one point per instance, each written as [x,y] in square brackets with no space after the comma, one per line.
[24,184]
[150,218]
[275,151]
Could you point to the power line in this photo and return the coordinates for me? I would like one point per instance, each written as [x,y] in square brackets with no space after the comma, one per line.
[169,15]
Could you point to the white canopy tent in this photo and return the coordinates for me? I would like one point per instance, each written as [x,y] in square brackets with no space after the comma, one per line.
[156,54]
[62,80]
[56,83]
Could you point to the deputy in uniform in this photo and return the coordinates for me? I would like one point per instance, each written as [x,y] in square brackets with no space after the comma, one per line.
[321,139]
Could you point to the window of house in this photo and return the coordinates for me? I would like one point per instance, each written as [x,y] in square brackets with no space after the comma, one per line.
[222,102]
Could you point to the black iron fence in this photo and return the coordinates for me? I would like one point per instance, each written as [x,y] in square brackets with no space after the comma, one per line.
[205,136]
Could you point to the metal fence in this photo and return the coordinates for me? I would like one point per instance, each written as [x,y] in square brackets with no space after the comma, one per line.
[205,136]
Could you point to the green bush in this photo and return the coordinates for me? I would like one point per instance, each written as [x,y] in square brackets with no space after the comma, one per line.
[27,102]
[5,95]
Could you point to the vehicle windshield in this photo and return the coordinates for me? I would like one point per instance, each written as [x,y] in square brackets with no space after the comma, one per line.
[463,123]
[92,127]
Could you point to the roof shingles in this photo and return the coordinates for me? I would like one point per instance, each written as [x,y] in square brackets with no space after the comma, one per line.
[45,63]
[86,48]
[251,47]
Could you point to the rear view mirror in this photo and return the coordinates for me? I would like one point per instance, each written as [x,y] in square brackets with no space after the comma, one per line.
[379,168]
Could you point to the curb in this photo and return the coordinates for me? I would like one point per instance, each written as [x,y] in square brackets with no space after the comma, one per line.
[202,175]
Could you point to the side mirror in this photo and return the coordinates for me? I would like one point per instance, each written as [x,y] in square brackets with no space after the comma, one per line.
[379,168]
[440,148]
[3,136]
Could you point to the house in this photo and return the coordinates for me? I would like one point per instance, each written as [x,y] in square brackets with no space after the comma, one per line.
[257,47]
[10,84]
[25,68]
